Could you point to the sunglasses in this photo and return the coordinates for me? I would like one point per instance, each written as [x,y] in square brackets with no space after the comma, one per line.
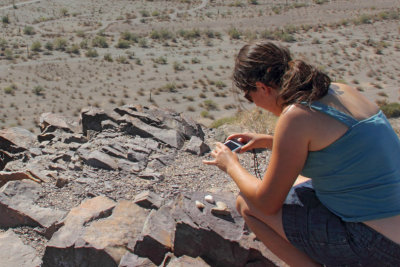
[247,96]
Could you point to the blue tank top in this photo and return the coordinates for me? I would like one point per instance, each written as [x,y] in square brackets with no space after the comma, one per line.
[358,176]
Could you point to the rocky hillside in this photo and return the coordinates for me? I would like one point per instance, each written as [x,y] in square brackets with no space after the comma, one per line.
[125,188]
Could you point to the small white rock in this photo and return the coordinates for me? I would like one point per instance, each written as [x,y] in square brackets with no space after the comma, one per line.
[209,199]
[221,209]
[200,205]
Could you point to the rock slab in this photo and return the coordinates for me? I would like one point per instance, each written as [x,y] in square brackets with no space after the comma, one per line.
[14,253]
[101,241]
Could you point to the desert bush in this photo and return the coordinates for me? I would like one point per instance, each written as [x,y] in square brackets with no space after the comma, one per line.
[36,46]
[122,60]
[220,84]
[161,34]
[38,90]
[101,33]
[189,34]
[205,114]
[210,105]
[128,36]
[49,46]
[108,57]
[143,42]
[267,34]
[252,2]
[363,19]
[29,30]
[5,19]
[195,60]
[160,60]
[284,36]
[3,43]
[80,33]
[320,2]
[145,13]
[223,121]
[8,53]
[178,66]
[250,35]
[123,44]
[290,29]
[74,49]
[84,44]
[130,54]
[155,13]
[60,44]
[391,110]
[191,109]
[100,41]
[212,34]
[91,53]
[64,12]
[234,33]
[383,94]
[299,5]
[237,3]
[256,120]
[276,9]
[316,41]
[169,87]
[10,90]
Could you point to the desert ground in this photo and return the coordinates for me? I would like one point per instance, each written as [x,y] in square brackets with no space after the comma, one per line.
[60,56]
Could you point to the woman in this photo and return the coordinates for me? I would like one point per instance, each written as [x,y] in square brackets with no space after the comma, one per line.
[332,134]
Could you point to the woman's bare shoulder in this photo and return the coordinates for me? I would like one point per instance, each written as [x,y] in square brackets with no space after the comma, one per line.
[298,119]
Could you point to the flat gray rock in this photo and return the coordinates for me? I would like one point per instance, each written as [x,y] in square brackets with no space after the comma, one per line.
[17,207]
[102,241]
[148,200]
[101,160]
[13,252]
[49,122]
[16,139]
[197,146]
[187,261]
[132,260]
[157,235]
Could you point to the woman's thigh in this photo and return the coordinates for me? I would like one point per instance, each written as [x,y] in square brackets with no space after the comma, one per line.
[273,221]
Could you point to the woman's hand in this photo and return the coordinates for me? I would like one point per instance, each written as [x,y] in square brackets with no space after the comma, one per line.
[252,140]
[223,157]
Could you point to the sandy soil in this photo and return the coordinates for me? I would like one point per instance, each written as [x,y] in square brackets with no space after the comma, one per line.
[180,52]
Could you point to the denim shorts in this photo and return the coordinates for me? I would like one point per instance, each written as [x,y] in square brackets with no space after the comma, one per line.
[323,236]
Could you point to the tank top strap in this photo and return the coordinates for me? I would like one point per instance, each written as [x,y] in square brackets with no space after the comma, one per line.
[333,112]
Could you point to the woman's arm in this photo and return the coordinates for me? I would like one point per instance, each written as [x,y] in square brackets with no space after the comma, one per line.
[289,153]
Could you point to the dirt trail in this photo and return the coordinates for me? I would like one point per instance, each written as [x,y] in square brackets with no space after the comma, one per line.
[19,4]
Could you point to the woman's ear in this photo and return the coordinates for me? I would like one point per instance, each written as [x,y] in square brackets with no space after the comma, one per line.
[262,86]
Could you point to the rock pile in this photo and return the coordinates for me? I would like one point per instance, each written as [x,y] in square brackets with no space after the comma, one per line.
[88,191]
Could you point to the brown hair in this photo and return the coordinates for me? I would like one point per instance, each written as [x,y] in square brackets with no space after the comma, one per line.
[272,65]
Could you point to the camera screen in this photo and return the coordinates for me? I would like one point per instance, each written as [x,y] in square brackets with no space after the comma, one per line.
[231,145]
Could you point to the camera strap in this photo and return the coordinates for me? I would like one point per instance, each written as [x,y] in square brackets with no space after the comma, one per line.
[255,165]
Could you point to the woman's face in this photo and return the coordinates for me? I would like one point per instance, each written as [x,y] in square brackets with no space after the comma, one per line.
[264,97]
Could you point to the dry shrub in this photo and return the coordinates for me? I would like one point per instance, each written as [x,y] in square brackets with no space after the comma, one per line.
[254,120]
[257,120]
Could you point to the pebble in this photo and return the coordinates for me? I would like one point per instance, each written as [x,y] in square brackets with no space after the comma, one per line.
[209,199]
[221,209]
[200,205]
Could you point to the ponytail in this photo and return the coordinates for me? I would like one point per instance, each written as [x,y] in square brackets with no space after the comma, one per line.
[302,82]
